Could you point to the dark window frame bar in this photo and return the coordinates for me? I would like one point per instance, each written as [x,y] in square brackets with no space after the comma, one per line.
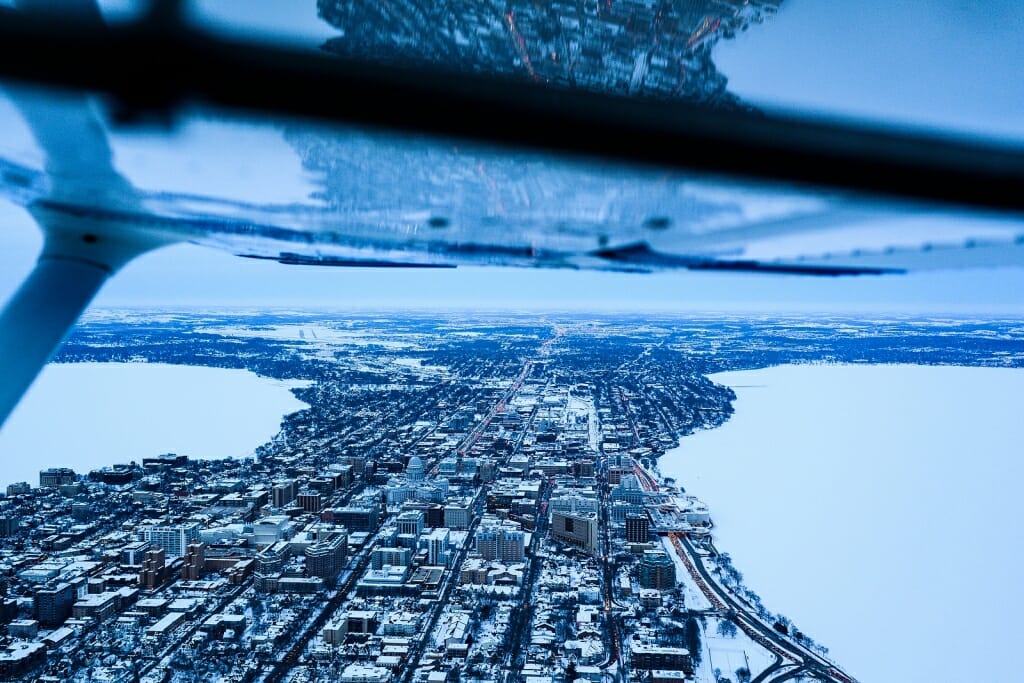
[152,69]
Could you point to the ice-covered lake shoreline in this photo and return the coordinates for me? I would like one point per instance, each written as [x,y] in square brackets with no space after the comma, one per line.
[876,507]
[88,415]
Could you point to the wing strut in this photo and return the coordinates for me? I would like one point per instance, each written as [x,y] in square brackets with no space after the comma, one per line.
[69,273]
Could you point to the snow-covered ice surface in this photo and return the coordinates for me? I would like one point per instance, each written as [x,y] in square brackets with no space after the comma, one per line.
[87,415]
[877,507]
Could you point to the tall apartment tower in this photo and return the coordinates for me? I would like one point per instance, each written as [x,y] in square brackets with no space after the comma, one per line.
[657,570]
[638,528]
[174,539]
[152,574]
[195,559]
[437,547]
[326,559]
[501,543]
[53,605]
[283,492]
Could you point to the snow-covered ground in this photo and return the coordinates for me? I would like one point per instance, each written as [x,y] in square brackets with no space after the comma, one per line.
[876,507]
[692,596]
[87,415]
[729,653]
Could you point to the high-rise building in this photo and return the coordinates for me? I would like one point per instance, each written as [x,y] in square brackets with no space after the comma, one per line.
[657,570]
[654,657]
[437,547]
[575,502]
[309,501]
[358,518]
[488,469]
[616,472]
[637,528]
[53,605]
[132,553]
[9,525]
[629,490]
[325,559]
[18,488]
[620,509]
[194,561]
[324,483]
[174,539]
[487,541]
[411,522]
[393,556]
[269,564]
[496,542]
[56,477]
[153,562]
[283,492]
[435,516]
[511,546]
[576,528]
[456,516]
[584,467]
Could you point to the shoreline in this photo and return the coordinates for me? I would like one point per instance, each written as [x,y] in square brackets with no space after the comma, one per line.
[204,412]
[843,486]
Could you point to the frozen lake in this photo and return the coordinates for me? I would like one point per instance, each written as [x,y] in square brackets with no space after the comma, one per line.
[878,508]
[86,415]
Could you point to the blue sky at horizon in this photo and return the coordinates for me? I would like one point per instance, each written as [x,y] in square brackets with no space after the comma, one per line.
[826,71]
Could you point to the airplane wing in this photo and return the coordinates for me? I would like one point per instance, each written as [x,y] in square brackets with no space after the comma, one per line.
[546,163]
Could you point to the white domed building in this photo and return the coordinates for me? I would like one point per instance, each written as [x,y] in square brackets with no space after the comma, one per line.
[414,469]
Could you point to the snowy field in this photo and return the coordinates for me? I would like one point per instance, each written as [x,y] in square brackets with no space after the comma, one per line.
[86,415]
[878,508]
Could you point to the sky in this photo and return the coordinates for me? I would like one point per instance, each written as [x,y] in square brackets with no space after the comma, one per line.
[922,63]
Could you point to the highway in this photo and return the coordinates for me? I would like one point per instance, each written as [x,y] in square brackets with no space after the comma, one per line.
[803,660]
[751,624]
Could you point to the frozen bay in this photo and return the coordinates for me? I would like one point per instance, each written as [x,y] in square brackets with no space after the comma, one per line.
[87,415]
[877,507]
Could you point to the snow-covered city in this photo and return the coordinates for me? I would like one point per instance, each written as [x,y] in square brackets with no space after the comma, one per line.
[456,498]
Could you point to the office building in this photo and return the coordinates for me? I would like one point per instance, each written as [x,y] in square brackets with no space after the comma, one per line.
[578,529]
[309,501]
[435,516]
[56,477]
[283,492]
[356,518]
[393,556]
[456,516]
[411,522]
